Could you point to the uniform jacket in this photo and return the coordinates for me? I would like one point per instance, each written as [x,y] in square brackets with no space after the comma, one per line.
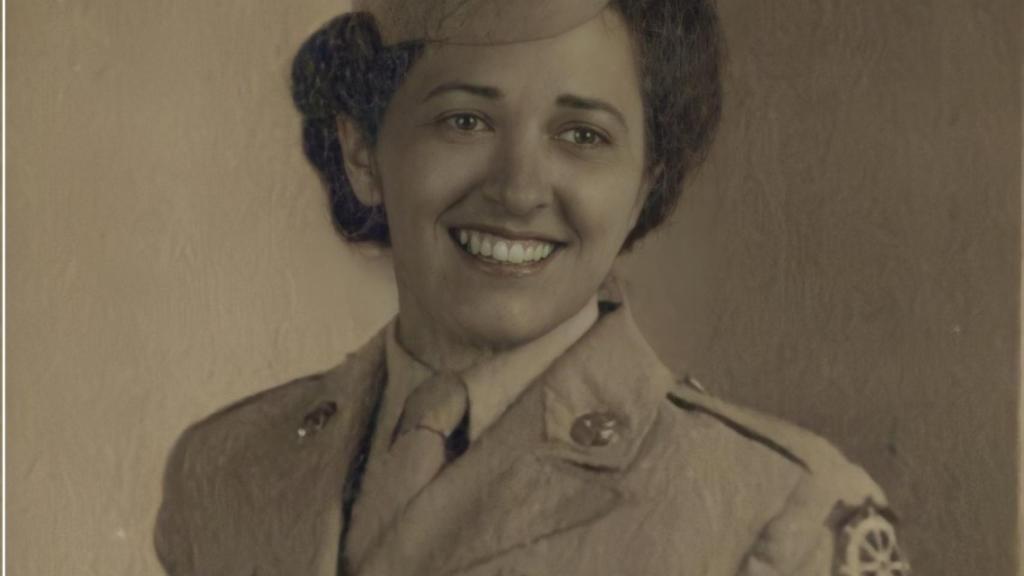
[674,482]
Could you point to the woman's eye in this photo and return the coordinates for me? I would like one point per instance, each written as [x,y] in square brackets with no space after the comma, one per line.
[582,136]
[466,122]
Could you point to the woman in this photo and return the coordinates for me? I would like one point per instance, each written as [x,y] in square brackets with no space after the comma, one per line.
[511,419]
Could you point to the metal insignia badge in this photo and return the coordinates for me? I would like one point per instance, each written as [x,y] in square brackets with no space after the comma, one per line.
[866,546]
[315,420]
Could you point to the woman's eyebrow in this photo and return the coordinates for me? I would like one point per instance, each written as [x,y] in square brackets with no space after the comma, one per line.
[581,103]
[489,92]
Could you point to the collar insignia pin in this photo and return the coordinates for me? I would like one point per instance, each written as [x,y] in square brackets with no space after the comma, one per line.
[596,429]
[316,419]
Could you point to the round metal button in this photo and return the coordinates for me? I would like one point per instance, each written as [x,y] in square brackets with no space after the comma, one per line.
[596,429]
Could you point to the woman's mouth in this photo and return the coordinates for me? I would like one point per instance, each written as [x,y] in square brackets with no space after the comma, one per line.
[493,248]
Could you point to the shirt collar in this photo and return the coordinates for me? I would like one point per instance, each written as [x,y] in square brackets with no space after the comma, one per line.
[495,383]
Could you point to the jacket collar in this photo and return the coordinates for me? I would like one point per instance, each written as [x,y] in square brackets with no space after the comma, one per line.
[611,373]
[529,477]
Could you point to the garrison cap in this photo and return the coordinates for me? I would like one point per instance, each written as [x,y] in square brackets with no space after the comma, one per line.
[477,21]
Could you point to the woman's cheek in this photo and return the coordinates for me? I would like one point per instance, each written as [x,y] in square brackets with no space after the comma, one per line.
[600,206]
[445,170]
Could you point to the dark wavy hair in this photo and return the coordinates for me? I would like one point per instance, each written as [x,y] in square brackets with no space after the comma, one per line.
[344,68]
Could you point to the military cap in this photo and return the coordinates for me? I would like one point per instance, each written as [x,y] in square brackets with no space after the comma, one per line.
[477,21]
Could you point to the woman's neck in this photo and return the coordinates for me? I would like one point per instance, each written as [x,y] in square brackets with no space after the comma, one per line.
[427,343]
[430,341]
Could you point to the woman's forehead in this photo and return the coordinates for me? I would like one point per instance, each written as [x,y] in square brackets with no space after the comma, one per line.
[477,22]
[595,58]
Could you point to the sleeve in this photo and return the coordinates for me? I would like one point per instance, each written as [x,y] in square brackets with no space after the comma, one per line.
[837,526]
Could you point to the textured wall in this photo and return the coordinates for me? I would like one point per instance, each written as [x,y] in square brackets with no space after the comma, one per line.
[858,228]
[168,254]
[849,258]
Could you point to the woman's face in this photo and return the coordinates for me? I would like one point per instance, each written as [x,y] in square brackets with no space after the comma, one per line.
[511,176]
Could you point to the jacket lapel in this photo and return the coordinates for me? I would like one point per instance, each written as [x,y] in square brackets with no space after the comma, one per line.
[316,476]
[531,476]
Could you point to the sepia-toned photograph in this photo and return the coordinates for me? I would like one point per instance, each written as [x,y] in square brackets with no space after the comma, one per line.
[513,287]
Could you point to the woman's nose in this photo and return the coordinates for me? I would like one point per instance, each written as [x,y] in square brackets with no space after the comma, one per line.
[520,184]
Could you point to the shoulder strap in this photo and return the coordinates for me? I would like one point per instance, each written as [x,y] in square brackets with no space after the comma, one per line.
[819,457]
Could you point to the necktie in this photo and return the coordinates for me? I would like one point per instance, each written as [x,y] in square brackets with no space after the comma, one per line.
[422,442]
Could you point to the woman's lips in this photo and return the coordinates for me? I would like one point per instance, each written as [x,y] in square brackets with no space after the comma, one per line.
[491,247]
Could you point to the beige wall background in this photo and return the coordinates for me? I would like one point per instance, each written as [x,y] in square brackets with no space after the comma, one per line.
[849,259]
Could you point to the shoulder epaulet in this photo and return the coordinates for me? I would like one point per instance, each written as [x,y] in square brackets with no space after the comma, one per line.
[817,456]
[833,495]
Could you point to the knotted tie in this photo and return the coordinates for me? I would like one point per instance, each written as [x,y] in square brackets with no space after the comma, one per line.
[426,436]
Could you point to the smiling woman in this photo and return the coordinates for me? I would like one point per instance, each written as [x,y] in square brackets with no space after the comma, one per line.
[511,418]
[523,146]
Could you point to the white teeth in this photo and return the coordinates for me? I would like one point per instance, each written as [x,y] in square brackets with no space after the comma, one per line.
[516,253]
[502,249]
